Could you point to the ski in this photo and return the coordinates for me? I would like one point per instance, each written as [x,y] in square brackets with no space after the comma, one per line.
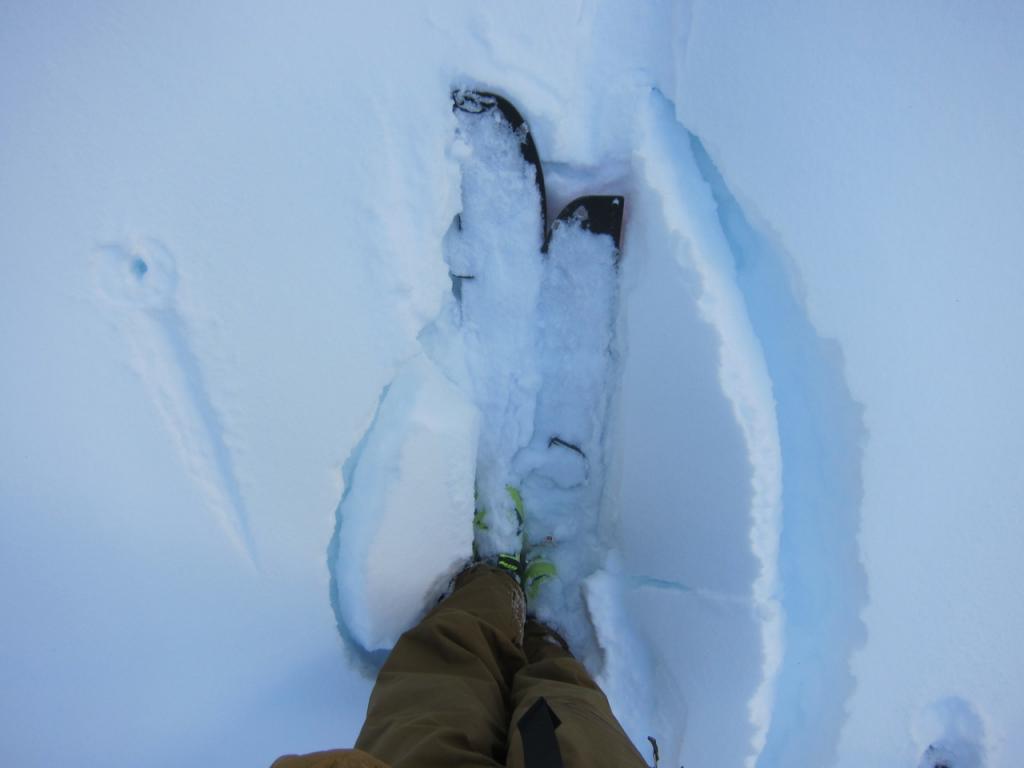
[536,310]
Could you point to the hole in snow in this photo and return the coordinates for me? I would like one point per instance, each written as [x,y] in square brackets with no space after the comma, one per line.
[139,268]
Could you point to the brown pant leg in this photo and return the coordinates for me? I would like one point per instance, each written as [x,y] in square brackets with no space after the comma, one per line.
[588,733]
[442,696]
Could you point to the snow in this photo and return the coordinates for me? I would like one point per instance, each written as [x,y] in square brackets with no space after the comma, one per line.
[401,523]
[700,478]
[244,414]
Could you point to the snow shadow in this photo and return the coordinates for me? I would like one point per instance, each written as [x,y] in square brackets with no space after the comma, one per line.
[822,432]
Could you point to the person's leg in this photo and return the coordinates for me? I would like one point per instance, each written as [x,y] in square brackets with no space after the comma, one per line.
[442,696]
[558,706]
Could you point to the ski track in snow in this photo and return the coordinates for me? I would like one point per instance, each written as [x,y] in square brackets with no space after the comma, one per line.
[138,280]
[795,445]
[526,339]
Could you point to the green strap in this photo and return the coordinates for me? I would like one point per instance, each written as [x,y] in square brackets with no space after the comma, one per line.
[537,572]
[510,563]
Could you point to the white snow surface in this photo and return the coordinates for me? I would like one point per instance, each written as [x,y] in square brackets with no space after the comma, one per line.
[418,459]
[243,415]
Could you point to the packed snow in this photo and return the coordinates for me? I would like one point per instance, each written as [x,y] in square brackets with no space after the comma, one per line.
[277,322]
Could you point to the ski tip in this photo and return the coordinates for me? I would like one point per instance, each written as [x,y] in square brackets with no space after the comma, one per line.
[477,102]
[600,214]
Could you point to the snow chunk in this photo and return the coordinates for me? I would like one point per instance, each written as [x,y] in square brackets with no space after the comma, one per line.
[405,519]
[698,459]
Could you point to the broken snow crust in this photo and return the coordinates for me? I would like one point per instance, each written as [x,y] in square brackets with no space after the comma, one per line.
[402,534]
[699,486]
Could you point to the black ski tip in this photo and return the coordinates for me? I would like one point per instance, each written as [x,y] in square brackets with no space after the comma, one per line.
[600,214]
[477,102]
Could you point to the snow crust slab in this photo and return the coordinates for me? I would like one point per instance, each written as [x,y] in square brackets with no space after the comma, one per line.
[403,530]
[698,489]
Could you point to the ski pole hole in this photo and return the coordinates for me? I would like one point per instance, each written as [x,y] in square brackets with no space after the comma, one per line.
[139,268]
